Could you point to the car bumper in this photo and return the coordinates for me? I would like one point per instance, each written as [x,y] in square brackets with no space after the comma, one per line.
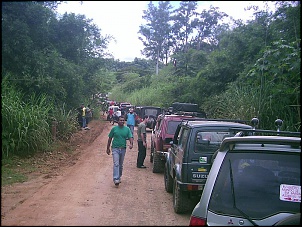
[191,187]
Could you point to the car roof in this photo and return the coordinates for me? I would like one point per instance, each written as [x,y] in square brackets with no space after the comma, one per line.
[263,140]
[151,107]
[114,107]
[176,116]
[219,123]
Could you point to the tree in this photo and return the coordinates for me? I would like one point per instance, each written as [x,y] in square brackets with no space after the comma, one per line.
[185,22]
[156,33]
[207,26]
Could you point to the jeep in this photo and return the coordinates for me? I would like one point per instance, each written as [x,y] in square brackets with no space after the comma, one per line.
[188,160]
[151,111]
[255,180]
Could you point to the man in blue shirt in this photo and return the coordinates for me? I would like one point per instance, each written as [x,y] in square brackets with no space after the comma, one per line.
[131,120]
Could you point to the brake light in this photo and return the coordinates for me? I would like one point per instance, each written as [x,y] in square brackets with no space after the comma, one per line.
[195,221]
[193,187]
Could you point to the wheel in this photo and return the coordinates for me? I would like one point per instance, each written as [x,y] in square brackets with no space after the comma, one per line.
[158,166]
[168,180]
[152,152]
[180,199]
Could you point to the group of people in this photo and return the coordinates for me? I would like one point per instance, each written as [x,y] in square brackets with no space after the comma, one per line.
[84,116]
[117,141]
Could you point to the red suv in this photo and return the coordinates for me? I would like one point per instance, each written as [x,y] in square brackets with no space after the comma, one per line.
[161,136]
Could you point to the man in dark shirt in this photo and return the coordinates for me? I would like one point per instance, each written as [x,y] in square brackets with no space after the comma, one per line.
[142,142]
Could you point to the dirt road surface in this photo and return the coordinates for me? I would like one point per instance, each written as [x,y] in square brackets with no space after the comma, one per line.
[82,193]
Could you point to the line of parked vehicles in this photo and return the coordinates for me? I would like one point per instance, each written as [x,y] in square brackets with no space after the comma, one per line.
[231,172]
[140,111]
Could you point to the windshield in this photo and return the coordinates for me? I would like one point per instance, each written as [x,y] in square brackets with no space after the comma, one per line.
[270,181]
[152,112]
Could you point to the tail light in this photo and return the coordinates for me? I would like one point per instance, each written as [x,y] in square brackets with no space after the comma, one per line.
[195,221]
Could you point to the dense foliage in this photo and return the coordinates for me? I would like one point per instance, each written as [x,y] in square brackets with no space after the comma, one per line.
[51,63]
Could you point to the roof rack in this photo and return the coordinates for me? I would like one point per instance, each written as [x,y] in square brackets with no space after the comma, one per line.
[211,119]
[247,132]
[278,132]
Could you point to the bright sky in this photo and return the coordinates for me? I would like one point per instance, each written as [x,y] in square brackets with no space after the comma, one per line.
[122,19]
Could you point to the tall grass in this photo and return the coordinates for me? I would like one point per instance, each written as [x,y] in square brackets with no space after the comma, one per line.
[65,122]
[246,102]
[25,127]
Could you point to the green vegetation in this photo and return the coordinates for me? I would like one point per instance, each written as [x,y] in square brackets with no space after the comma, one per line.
[241,71]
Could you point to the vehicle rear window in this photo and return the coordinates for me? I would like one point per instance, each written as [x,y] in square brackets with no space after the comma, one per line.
[172,126]
[151,112]
[270,181]
[209,141]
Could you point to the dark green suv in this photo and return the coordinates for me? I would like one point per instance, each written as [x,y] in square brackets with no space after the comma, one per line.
[188,160]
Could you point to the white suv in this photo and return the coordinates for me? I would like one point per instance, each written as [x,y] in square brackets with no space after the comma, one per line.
[254,180]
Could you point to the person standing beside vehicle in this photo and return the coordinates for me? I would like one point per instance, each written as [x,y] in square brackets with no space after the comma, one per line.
[116,116]
[88,116]
[83,116]
[119,134]
[110,114]
[130,117]
[142,142]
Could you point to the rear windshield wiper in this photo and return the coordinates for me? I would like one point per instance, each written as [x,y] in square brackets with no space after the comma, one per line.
[234,198]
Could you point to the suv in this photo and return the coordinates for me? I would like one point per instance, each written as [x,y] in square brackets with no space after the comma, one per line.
[151,111]
[188,160]
[254,180]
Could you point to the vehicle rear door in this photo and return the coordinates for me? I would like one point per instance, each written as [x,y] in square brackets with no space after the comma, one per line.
[204,142]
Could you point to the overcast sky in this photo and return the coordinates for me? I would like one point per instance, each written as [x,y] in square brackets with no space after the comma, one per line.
[122,19]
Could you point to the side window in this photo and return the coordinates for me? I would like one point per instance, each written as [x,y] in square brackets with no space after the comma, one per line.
[212,137]
[183,138]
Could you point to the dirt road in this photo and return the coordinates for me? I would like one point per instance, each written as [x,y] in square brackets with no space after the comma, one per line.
[84,195]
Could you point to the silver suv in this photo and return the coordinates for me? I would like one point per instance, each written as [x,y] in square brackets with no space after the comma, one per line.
[254,180]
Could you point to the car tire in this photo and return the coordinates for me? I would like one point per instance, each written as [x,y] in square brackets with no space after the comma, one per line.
[180,199]
[168,180]
[158,166]
[152,152]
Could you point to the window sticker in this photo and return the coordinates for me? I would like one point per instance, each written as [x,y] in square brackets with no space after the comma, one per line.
[291,193]
[203,159]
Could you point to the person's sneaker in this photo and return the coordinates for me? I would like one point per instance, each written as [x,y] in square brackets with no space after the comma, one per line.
[141,167]
[116,182]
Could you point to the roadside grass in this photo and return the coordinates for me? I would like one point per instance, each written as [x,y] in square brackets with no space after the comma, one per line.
[15,170]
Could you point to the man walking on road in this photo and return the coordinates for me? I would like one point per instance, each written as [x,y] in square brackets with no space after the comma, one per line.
[130,117]
[120,134]
[142,142]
